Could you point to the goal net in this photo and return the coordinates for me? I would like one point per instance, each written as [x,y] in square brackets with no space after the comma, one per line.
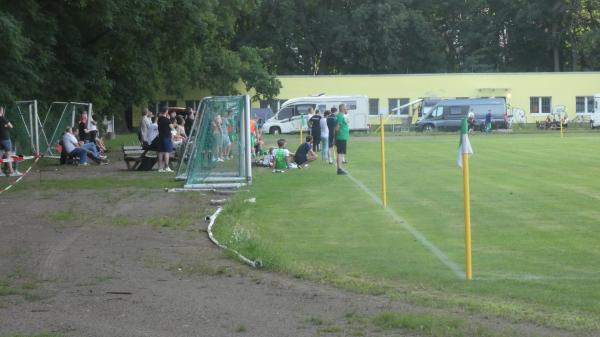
[217,153]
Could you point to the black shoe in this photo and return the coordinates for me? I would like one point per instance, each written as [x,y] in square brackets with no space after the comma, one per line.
[341,172]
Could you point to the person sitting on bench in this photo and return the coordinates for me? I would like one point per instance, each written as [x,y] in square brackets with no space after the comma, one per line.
[76,149]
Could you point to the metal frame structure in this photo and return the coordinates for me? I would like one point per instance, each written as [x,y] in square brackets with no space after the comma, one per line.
[218,179]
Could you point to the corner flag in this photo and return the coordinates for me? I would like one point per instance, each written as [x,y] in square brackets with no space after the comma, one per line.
[464,146]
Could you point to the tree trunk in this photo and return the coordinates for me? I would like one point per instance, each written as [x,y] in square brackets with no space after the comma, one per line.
[555,51]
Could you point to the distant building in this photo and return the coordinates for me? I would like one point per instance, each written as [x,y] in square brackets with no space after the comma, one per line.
[533,95]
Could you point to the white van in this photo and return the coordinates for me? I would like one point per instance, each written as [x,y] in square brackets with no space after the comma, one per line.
[595,116]
[289,116]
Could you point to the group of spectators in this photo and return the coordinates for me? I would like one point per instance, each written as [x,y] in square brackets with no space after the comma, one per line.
[87,143]
[326,131]
[165,133]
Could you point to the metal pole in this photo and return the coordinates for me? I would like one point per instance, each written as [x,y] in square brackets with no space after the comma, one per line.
[248,150]
[31,136]
[73,116]
[37,130]
[89,119]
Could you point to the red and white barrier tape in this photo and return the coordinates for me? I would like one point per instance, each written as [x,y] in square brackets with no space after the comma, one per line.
[13,159]
[21,177]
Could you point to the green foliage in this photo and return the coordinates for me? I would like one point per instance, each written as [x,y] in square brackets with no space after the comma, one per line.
[118,53]
[340,36]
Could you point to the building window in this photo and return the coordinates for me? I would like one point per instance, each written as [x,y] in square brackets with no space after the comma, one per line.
[584,104]
[393,103]
[540,105]
[373,106]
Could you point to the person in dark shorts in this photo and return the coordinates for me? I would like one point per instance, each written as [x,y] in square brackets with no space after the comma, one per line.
[165,145]
[305,154]
[6,144]
[315,129]
[341,137]
[331,123]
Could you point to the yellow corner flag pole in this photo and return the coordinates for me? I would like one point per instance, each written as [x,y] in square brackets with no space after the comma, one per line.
[560,120]
[464,150]
[383,180]
[467,201]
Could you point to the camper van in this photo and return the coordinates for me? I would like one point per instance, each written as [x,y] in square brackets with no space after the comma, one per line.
[595,116]
[447,115]
[291,114]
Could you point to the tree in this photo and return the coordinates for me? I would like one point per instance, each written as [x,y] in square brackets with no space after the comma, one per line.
[118,53]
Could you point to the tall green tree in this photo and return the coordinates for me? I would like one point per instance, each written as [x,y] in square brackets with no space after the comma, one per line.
[118,53]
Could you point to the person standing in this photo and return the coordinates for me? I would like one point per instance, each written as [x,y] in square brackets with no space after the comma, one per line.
[314,123]
[324,136]
[189,121]
[341,137]
[331,124]
[488,122]
[6,144]
[165,145]
[145,124]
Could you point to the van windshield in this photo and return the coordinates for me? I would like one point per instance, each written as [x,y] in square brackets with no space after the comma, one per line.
[285,113]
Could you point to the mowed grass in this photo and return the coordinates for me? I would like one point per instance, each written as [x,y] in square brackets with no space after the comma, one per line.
[536,252]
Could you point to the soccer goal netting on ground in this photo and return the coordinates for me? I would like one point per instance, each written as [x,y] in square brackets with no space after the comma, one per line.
[218,151]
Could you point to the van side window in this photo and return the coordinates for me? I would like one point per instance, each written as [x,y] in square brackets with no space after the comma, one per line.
[302,109]
[459,110]
[285,113]
[437,112]
[351,105]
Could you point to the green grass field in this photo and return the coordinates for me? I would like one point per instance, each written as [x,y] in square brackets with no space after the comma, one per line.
[536,250]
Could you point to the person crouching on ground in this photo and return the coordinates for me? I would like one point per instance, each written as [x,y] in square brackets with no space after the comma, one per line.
[165,142]
[305,154]
[281,158]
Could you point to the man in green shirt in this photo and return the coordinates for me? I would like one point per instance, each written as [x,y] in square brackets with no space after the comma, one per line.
[342,135]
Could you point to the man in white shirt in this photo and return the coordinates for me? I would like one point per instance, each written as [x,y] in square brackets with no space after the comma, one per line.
[324,136]
[72,147]
[145,125]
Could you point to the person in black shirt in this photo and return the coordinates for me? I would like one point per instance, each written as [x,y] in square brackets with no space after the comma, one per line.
[315,129]
[83,132]
[304,154]
[331,124]
[165,146]
[5,143]
[189,121]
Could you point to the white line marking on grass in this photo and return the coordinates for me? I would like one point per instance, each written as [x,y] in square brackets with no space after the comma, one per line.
[418,235]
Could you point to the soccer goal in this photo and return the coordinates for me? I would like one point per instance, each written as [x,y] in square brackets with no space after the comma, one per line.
[217,153]
[58,117]
[24,117]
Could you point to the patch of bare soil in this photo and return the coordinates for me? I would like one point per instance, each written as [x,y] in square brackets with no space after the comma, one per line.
[137,262]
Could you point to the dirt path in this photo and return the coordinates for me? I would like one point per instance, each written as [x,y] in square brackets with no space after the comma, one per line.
[117,262]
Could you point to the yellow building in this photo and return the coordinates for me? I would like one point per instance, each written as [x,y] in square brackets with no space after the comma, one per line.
[535,94]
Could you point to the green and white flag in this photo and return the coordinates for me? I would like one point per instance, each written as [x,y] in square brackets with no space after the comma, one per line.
[465,145]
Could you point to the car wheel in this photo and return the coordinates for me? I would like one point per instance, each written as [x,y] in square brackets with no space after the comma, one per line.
[275,130]
[428,128]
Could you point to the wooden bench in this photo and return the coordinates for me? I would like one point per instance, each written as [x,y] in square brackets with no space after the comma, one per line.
[134,154]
